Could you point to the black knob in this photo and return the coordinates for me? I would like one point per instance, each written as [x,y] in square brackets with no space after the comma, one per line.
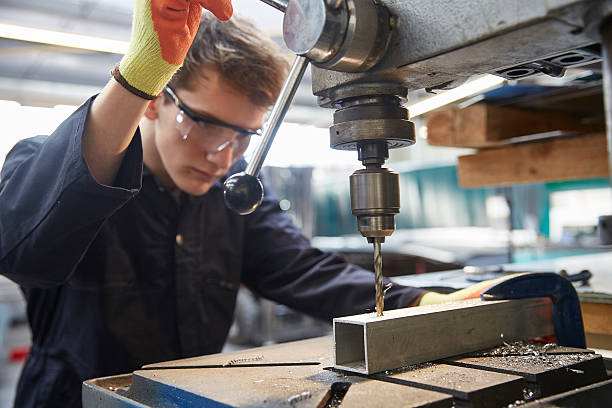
[243,193]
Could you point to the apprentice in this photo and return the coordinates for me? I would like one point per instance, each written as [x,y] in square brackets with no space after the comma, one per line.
[118,234]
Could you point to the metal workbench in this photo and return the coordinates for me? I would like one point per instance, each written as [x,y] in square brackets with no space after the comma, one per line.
[512,374]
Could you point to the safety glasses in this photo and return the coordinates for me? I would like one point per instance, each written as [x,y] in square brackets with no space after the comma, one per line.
[216,135]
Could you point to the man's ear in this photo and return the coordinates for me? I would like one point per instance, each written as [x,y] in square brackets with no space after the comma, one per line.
[151,112]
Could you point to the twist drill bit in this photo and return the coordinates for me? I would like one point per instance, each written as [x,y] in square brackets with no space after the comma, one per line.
[378,277]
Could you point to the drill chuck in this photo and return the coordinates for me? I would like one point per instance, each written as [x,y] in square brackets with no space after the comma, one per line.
[375,200]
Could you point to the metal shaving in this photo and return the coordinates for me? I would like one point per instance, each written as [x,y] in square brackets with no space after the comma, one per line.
[299,397]
[528,395]
[243,360]
[521,353]
[516,348]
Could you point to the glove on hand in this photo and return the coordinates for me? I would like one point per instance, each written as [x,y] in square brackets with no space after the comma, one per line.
[162,32]
[471,292]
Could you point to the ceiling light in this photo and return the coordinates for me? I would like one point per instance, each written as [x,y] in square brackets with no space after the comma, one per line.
[63,39]
[470,88]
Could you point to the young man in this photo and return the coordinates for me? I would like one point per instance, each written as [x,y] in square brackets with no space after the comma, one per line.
[124,264]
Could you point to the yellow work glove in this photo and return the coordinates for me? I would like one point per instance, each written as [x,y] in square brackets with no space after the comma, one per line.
[471,292]
[162,32]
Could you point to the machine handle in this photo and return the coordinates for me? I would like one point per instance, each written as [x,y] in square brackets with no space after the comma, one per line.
[277,4]
[278,113]
[243,192]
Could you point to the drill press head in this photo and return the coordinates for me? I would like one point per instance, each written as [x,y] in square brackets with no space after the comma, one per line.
[353,36]
[372,124]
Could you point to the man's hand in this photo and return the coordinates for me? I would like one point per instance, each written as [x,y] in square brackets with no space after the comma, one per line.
[471,292]
[162,32]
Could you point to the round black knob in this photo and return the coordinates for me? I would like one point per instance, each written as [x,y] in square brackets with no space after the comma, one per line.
[243,193]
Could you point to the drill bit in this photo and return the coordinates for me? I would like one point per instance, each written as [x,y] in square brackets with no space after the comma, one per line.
[378,277]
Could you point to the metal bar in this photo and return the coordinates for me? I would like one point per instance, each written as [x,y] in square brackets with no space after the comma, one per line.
[184,367]
[278,114]
[378,277]
[368,344]
[277,4]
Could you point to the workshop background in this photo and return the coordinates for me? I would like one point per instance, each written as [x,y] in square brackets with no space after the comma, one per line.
[442,225]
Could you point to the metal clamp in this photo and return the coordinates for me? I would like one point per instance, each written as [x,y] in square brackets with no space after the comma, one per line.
[567,318]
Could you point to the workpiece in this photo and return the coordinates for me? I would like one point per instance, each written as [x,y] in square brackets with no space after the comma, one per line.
[367,344]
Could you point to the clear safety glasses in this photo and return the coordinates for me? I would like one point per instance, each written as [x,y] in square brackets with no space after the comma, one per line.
[213,134]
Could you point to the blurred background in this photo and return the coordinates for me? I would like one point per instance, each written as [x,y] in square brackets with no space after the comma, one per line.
[441,225]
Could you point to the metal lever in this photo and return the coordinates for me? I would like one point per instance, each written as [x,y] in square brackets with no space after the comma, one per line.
[243,192]
[277,4]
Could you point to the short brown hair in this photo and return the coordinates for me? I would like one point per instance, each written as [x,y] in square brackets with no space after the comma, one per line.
[242,54]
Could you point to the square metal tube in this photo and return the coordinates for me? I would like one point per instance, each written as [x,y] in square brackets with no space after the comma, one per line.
[368,344]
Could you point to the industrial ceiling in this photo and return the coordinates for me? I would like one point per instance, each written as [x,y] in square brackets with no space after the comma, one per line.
[39,74]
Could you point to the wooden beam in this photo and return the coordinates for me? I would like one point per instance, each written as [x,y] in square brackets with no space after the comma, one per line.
[597,317]
[558,159]
[368,344]
[483,125]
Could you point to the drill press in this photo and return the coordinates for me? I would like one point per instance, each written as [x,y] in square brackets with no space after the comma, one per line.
[346,36]
[371,125]
[432,45]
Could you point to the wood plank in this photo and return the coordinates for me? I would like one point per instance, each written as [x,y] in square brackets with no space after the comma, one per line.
[369,344]
[597,317]
[481,125]
[566,158]
[599,341]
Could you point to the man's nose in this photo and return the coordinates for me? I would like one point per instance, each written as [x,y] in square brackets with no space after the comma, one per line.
[222,158]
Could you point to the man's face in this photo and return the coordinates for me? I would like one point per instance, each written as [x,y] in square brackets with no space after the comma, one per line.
[193,155]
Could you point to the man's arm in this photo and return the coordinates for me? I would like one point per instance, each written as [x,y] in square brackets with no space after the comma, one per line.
[110,126]
[56,192]
[162,31]
[281,265]
[50,206]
